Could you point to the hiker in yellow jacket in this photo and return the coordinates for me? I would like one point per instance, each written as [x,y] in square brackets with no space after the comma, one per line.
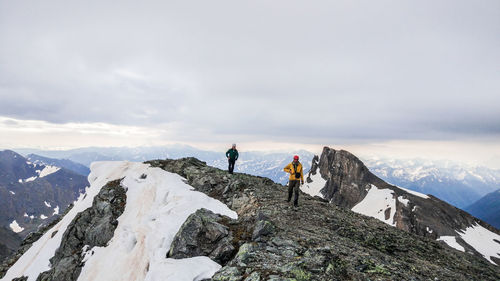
[296,178]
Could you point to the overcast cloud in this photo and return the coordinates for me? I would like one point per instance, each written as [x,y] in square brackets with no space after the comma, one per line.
[305,71]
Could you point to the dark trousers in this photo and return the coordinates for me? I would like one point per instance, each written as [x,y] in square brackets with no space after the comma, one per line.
[231,165]
[293,186]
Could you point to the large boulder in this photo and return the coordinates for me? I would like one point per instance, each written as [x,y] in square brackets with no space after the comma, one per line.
[203,234]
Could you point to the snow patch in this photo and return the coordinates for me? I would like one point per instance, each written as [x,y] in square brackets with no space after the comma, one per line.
[42,216]
[32,217]
[429,230]
[47,204]
[15,227]
[86,253]
[452,242]
[48,170]
[414,193]
[190,269]
[403,201]
[20,181]
[375,204]
[56,211]
[12,192]
[313,188]
[156,208]
[482,240]
[25,215]
[30,179]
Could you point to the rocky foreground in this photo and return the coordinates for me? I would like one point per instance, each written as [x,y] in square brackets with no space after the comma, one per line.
[317,241]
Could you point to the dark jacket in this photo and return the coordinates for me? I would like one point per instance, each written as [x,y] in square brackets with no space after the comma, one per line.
[232,154]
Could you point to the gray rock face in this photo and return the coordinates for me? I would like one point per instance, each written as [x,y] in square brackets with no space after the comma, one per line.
[347,177]
[204,234]
[348,181]
[93,227]
[318,241]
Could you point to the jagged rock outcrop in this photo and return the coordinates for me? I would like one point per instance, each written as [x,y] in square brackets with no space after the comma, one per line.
[204,234]
[348,182]
[93,227]
[318,241]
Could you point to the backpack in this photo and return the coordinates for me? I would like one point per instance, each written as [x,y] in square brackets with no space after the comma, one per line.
[297,173]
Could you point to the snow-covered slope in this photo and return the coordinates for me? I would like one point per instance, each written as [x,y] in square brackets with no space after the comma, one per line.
[157,204]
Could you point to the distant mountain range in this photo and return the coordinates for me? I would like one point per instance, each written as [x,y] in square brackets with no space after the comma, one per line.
[487,208]
[266,164]
[456,184]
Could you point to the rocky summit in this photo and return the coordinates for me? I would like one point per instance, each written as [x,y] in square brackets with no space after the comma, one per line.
[342,179]
[269,239]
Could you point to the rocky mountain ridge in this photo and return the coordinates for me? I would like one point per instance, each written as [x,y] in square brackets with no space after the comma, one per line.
[269,239]
[342,179]
[61,163]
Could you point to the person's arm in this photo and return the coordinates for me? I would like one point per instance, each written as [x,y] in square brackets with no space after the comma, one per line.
[227,153]
[302,174]
[237,155]
[288,169]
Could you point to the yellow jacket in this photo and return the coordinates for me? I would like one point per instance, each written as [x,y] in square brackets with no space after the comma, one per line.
[290,169]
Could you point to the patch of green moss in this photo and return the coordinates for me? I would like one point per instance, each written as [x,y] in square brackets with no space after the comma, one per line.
[379,269]
[300,274]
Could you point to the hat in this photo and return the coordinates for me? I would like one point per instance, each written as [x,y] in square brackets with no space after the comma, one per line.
[296,157]
[234,144]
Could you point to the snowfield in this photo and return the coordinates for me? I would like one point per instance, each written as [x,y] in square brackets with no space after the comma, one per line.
[156,208]
[48,170]
[452,242]
[487,243]
[313,188]
[375,204]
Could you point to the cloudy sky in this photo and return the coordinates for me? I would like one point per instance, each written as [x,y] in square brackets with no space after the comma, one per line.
[403,78]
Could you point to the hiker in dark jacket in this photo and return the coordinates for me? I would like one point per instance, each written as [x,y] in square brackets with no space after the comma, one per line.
[296,178]
[232,156]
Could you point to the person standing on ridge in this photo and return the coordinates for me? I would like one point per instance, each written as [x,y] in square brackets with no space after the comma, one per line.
[232,156]
[296,178]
